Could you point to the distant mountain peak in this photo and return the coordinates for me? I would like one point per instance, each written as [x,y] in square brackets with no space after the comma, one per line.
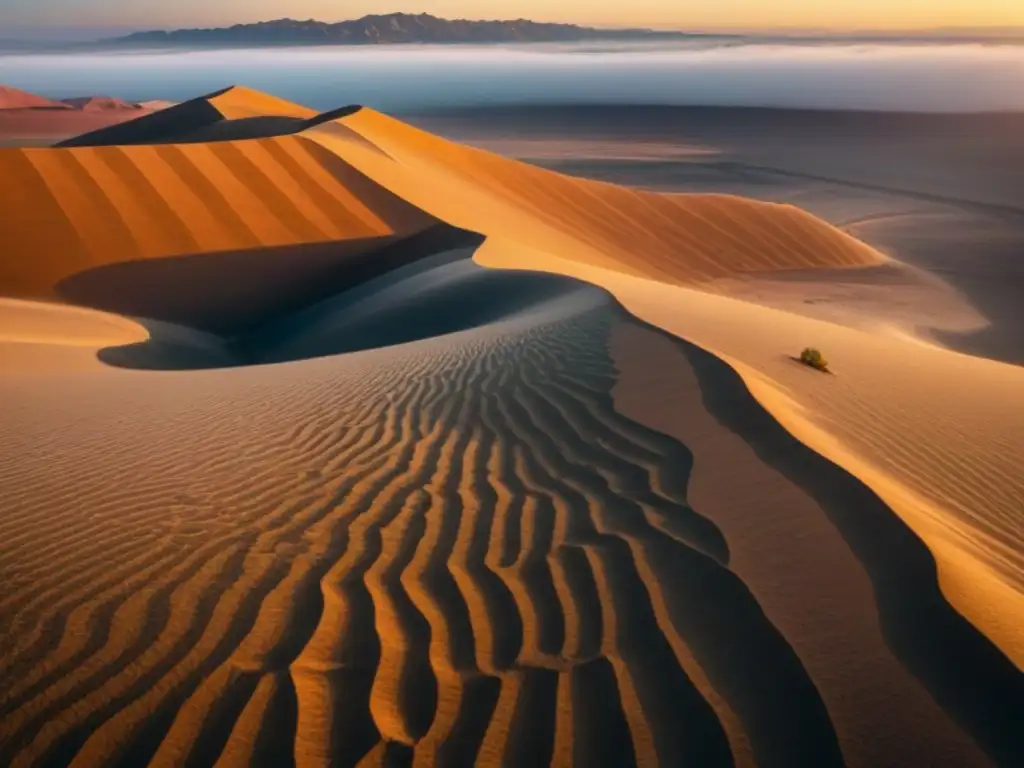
[384,29]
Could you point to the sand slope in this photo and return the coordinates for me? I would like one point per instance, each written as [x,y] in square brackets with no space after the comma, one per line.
[674,238]
[241,112]
[967,510]
[36,337]
[12,98]
[425,512]
[79,222]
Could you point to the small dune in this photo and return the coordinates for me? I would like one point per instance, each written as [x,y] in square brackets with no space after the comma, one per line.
[12,98]
[100,104]
[330,442]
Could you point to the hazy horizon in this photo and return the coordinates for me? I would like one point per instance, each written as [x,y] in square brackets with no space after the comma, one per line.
[930,78]
[753,16]
[43,34]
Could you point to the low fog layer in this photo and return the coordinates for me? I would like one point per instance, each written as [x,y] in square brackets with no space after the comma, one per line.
[917,77]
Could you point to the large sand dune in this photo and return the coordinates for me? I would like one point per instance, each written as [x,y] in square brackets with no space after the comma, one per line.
[81,224]
[971,517]
[482,471]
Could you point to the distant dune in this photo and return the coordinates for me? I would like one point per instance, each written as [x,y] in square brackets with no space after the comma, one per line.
[331,442]
[12,98]
[99,103]
[157,104]
[28,119]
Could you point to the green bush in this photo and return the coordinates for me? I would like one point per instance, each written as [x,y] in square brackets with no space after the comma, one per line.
[814,359]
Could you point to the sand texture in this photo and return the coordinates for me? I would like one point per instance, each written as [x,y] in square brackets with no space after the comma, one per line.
[330,442]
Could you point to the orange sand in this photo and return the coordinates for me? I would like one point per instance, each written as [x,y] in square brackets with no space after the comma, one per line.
[520,527]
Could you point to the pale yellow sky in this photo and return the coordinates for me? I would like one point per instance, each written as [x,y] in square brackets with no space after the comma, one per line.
[845,14]
[678,14]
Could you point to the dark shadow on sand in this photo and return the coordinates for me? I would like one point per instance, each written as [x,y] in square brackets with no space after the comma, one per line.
[982,258]
[199,121]
[442,295]
[433,295]
[230,292]
[969,677]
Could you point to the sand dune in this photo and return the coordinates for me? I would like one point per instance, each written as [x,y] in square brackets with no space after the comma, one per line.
[100,103]
[27,119]
[232,113]
[674,238]
[485,472]
[12,98]
[967,516]
[79,223]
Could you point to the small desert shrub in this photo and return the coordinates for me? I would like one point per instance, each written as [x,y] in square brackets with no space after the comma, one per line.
[813,358]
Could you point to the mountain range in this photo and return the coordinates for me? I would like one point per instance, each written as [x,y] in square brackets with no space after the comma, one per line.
[393,28]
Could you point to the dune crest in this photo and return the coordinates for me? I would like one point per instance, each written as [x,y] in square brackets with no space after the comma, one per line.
[283,209]
[12,98]
[966,516]
[681,239]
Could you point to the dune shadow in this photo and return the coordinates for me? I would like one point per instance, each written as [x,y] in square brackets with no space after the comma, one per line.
[199,121]
[437,296]
[415,289]
[229,292]
[993,282]
[968,676]
[981,257]
[152,128]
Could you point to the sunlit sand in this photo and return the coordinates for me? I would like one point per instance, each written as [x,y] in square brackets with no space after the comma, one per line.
[328,441]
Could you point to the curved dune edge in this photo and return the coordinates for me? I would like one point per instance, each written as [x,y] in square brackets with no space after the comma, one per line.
[33,322]
[963,507]
[976,570]
[682,239]
[37,336]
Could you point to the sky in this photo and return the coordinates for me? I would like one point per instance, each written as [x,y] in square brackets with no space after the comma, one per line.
[17,16]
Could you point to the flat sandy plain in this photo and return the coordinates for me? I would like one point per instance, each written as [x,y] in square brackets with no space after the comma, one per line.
[328,441]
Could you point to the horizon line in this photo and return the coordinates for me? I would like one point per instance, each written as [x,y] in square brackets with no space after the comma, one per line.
[981,29]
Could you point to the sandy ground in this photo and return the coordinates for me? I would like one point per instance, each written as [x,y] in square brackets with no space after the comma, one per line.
[581,508]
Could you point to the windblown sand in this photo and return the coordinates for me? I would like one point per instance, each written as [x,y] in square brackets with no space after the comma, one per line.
[375,503]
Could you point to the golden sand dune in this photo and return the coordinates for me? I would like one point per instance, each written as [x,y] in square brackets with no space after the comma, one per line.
[78,222]
[673,238]
[962,495]
[457,515]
